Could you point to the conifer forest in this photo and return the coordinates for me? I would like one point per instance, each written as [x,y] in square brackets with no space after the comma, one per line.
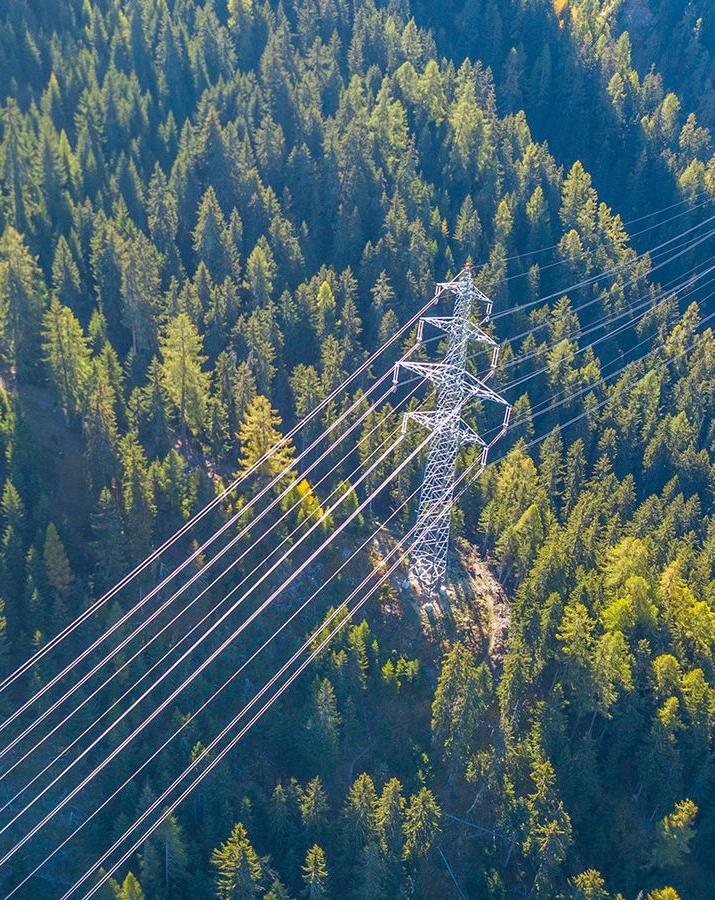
[227,410]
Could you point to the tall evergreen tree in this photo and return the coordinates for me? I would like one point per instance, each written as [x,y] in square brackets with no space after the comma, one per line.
[185,381]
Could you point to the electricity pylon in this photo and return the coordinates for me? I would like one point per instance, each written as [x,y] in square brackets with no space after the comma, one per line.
[456,387]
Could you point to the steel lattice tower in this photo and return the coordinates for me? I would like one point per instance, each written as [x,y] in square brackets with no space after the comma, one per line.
[456,387]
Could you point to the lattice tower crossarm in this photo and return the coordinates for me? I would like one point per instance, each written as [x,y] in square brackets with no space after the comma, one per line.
[456,386]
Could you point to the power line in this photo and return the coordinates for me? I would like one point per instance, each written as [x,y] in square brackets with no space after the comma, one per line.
[195,627]
[197,671]
[197,575]
[532,443]
[190,718]
[124,665]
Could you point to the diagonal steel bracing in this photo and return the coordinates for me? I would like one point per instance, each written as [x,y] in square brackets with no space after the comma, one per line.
[456,387]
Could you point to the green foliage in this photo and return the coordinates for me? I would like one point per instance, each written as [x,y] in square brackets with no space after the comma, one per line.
[315,874]
[239,869]
[674,835]
[185,382]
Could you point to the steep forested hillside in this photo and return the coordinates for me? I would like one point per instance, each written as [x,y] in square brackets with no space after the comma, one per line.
[212,211]
[573,67]
[679,39]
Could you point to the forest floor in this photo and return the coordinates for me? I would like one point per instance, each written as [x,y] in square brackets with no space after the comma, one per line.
[473,608]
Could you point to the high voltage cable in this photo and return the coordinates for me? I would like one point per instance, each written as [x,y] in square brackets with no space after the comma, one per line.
[215,501]
[195,577]
[682,279]
[117,671]
[602,380]
[221,530]
[432,301]
[215,760]
[155,712]
[187,721]
[648,301]
[284,515]
[140,605]
[58,638]
[624,224]
[588,412]
[624,326]
[628,238]
[307,643]
[211,629]
[539,301]
[154,666]
[607,272]
[657,212]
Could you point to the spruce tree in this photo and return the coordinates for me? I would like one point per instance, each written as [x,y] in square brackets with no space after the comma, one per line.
[185,381]
[315,874]
[259,434]
[67,353]
[239,868]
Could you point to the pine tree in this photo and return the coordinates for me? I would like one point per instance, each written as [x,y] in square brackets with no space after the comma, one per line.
[163,217]
[468,230]
[99,425]
[463,693]
[57,567]
[371,874]
[421,826]
[131,889]
[185,382]
[137,496]
[389,814]
[359,815]
[164,861]
[141,283]
[259,434]
[67,353]
[313,805]
[12,560]
[306,389]
[244,390]
[260,273]
[4,643]
[153,410]
[323,724]
[217,430]
[17,201]
[210,238]
[549,825]
[589,885]
[277,891]
[674,835]
[22,301]
[239,868]
[262,341]
[315,874]
[109,543]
